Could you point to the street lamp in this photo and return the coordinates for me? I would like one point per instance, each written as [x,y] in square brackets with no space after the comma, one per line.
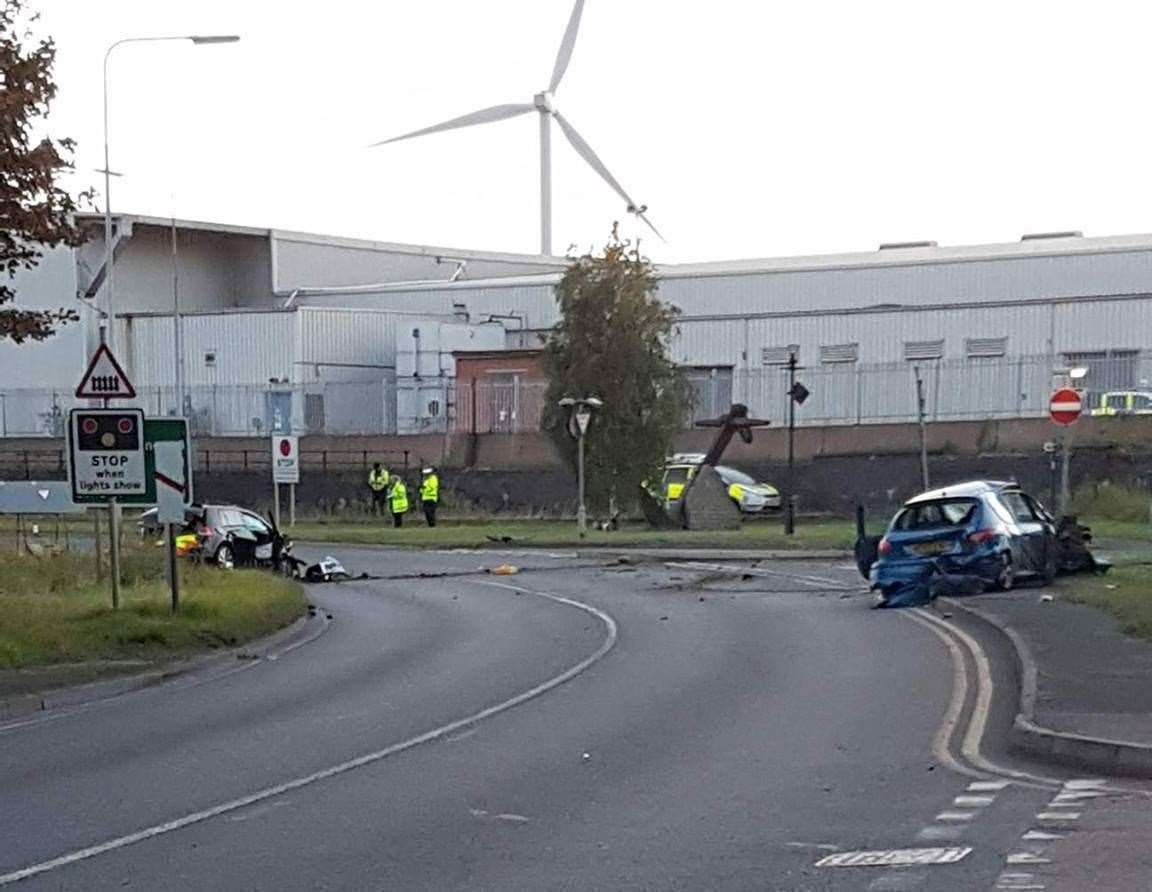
[107,321]
[581,411]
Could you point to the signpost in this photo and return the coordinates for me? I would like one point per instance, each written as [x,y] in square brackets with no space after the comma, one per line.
[104,379]
[285,469]
[1065,408]
[170,472]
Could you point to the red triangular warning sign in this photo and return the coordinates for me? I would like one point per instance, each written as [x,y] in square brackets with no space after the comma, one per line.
[105,380]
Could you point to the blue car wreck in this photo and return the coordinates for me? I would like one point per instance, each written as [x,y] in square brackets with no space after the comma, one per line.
[963,539]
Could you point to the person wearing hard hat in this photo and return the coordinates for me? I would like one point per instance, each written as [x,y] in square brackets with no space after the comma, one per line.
[398,500]
[378,479]
[430,495]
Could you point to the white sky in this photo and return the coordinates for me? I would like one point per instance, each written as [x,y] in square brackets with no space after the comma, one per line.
[750,128]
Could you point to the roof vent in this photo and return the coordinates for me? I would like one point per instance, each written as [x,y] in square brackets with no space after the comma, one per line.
[896,246]
[1040,236]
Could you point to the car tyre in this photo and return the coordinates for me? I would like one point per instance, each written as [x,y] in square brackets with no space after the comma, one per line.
[224,558]
[1006,577]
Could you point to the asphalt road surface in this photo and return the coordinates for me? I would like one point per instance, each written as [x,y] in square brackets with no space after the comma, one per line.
[576,726]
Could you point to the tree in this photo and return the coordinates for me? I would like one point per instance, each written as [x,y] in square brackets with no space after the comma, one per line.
[34,211]
[612,342]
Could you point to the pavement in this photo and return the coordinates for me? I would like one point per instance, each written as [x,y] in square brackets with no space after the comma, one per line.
[581,725]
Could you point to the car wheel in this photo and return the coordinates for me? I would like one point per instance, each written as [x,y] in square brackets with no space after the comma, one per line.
[224,557]
[1006,577]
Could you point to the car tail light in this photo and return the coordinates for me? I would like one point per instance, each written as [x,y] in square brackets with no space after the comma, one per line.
[885,547]
[981,536]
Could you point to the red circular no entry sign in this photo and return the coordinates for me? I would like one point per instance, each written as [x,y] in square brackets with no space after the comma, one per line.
[1065,406]
[285,448]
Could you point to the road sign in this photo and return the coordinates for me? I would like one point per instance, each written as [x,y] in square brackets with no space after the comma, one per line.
[104,379]
[285,459]
[106,455]
[33,497]
[1065,406]
[169,457]
[799,393]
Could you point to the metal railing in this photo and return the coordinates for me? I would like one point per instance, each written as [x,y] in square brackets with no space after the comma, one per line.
[840,393]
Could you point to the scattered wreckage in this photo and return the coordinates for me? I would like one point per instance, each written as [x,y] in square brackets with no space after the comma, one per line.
[968,538]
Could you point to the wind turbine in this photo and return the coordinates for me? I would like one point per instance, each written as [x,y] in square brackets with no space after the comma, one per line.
[543,104]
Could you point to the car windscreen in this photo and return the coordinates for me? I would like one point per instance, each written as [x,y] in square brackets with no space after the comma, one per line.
[676,475]
[731,475]
[938,514]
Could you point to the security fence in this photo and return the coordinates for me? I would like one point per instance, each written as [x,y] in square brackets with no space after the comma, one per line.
[839,393]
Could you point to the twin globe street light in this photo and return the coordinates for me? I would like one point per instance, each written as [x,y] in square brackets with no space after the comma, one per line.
[580,411]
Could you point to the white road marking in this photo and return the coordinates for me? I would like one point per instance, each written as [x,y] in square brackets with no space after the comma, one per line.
[973,801]
[954,816]
[938,834]
[823,846]
[1041,836]
[989,786]
[1027,858]
[514,818]
[899,880]
[896,857]
[1085,784]
[343,767]
[1058,815]
[1078,797]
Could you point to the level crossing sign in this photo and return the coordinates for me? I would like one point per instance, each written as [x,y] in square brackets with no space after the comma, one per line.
[105,379]
[106,455]
[1065,406]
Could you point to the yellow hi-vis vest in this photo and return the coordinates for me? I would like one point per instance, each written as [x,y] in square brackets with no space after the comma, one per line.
[399,497]
[430,489]
[378,481]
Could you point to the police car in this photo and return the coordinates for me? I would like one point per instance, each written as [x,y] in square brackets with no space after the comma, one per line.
[752,496]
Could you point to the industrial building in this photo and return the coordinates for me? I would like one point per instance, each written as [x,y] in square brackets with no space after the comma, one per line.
[312,333]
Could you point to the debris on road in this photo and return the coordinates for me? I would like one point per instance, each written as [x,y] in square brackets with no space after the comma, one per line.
[504,570]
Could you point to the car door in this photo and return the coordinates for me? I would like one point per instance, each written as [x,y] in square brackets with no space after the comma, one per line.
[259,528]
[1029,550]
[1046,541]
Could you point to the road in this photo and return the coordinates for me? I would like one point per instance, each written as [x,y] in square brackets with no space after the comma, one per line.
[576,726]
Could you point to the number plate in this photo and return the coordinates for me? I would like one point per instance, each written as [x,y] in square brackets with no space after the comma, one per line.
[927,548]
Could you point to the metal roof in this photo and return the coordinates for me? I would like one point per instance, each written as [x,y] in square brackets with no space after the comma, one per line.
[288,235]
[915,256]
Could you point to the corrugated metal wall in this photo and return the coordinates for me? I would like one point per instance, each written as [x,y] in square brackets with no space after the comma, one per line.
[225,348]
[1001,279]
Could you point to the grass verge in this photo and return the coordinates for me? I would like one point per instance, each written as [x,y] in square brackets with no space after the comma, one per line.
[52,610]
[760,534]
[1125,592]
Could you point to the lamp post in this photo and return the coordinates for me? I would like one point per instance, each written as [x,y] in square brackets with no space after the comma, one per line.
[108,320]
[108,317]
[581,412]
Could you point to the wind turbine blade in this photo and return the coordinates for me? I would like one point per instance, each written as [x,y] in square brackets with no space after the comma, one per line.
[648,223]
[484,116]
[566,45]
[585,151]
